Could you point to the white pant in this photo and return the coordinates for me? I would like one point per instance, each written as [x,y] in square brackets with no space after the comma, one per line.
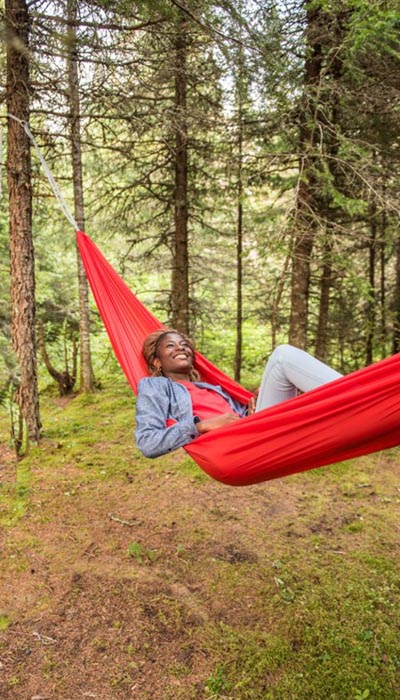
[289,370]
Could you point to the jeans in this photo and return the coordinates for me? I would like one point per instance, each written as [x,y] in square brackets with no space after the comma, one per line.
[288,371]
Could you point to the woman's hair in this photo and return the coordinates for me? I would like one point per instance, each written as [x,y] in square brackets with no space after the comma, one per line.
[150,347]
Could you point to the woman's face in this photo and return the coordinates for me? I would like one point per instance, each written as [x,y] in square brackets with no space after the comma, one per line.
[174,355]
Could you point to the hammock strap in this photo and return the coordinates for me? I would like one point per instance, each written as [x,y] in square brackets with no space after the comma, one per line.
[57,192]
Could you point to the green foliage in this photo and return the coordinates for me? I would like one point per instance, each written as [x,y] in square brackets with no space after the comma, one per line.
[140,553]
[245,75]
[217,683]
[362,694]
[5,622]
[374,27]
[135,550]
[351,206]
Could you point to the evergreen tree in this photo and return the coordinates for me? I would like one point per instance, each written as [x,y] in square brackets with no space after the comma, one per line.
[20,203]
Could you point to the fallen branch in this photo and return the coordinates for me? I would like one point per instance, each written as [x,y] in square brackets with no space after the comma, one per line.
[130,523]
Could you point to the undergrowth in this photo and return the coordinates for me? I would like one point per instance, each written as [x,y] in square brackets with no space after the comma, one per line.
[288,591]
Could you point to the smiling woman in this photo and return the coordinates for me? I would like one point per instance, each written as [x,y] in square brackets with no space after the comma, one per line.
[174,406]
[169,352]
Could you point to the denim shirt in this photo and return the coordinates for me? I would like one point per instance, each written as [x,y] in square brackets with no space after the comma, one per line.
[160,399]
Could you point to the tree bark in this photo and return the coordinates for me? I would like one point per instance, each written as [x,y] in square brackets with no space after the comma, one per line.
[240,96]
[383,330]
[325,288]
[180,264]
[239,271]
[22,268]
[305,220]
[396,302]
[65,380]
[86,369]
[371,307]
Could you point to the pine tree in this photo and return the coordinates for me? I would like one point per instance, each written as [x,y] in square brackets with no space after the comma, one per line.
[20,202]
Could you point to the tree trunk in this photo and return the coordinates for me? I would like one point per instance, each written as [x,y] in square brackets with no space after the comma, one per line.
[371,307]
[383,332]
[396,302]
[323,315]
[20,201]
[64,379]
[239,243]
[279,287]
[180,264]
[86,370]
[305,220]
[239,283]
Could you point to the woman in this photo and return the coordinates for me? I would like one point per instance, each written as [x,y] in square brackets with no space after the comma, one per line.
[174,406]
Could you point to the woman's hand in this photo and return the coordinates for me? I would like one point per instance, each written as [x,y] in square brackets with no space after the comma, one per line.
[251,406]
[212,423]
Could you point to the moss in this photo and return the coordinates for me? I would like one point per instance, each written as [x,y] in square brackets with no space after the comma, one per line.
[14,497]
[5,622]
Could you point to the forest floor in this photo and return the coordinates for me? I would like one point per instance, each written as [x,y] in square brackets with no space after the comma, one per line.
[129,579]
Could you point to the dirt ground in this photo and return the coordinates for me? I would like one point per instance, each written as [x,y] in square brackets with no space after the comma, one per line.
[115,588]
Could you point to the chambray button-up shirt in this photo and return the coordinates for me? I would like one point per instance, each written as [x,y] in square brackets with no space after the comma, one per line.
[160,399]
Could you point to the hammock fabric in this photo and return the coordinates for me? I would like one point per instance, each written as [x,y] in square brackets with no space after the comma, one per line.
[349,417]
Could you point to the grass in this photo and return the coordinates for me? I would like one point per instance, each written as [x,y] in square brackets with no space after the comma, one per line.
[179,587]
[5,622]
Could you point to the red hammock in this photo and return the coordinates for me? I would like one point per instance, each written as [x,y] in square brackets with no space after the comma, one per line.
[349,417]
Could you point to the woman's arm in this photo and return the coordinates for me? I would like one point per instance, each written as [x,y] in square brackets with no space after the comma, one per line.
[208,424]
[153,437]
[243,409]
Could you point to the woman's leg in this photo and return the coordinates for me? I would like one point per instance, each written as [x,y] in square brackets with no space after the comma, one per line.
[289,370]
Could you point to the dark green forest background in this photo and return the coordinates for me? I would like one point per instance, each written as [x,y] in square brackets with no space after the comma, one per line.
[237,162]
